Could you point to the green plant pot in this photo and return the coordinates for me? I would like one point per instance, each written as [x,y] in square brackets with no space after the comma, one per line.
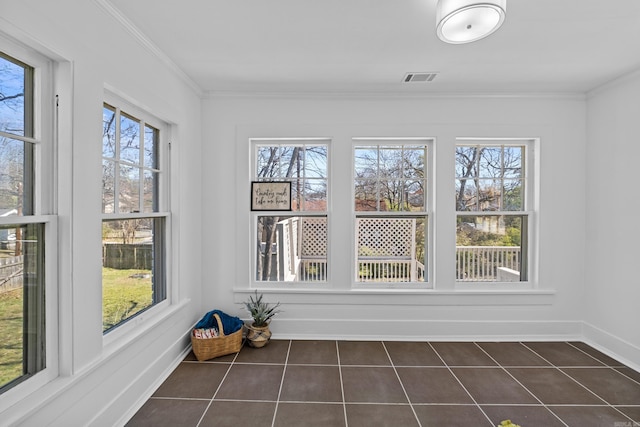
[258,336]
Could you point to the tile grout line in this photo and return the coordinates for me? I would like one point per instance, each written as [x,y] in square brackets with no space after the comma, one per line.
[559,369]
[587,354]
[568,371]
[606,365]
[594,393]
[517,381]
[344,403]
[284,371]
[401,384]
[219,385]
[460,382]
[553,366]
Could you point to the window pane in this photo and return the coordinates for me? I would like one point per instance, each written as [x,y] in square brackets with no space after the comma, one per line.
[366,195]
[309,195]
[108,186]
[21,302]
[381,174]
[390,162]
[266,161]
[414,195]
[129,196]
[489,178]
[466,195]
[150,150]
[489,248]
[14,83]
[150,197]
[391,249]
[108,132]
[315,163]
[289,162]
[490,194]
[291,249]
[13,182]
[129,140]
[467,162]
[490,165]
[401,196]
[513,160]
[366,162]
[305,165]
[128,277]
[513,197]
[413,162]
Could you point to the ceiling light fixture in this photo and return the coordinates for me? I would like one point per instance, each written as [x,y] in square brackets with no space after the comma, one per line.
[465,21]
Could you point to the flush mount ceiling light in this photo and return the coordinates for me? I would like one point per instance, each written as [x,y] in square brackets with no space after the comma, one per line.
[465,21]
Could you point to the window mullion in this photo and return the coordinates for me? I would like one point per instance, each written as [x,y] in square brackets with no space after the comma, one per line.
[141,168]
[116,163]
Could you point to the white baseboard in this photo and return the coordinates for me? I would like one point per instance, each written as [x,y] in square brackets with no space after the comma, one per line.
[613,346]
[427,330]
[160,371]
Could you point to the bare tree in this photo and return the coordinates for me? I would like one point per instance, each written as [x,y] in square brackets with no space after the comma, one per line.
[305,166]
[13,152]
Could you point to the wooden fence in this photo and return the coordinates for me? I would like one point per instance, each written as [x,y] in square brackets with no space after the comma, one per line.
[136,256]
[11,272]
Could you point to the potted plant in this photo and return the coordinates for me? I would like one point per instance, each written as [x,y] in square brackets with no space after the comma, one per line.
[259,334]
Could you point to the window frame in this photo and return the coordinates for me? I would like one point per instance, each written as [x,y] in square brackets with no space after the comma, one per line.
[254,144]
[528,244]
[41,210]
[427,214]
[340,289]
[160,216]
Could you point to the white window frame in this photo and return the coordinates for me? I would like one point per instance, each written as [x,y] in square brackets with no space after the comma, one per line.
[428,213]
[340,288]
[528,211]
[254,143]
[121,104]
[45,208]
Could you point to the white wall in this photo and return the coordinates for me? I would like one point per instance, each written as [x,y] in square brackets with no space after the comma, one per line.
[100,379]
[613,201]
[552,310]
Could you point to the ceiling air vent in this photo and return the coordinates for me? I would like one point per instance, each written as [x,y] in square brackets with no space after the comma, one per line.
[419,77]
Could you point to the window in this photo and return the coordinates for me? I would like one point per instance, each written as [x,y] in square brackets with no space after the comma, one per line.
[292,246]
[492,221]
[134,213]
[23,225]
[390,201]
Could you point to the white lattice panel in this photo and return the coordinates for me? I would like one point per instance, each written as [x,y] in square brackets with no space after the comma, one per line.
[314,241]
[385,236]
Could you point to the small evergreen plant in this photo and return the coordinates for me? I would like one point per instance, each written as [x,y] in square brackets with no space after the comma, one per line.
[261,311]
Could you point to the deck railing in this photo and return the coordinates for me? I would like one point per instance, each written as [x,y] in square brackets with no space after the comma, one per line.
[389,269]
[473,264]
[487,263]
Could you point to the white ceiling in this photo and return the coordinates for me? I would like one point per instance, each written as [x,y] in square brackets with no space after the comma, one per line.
[544,46]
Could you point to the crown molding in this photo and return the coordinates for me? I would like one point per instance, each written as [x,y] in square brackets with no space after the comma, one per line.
[148,44]
[613,83]
[220,94]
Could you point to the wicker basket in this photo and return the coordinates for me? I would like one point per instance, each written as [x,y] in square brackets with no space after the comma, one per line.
[208,348]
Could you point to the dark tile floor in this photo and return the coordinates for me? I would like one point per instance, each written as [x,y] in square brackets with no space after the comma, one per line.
[443,384]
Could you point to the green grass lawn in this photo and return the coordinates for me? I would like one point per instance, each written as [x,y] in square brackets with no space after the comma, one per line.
[10,336]
[123,296]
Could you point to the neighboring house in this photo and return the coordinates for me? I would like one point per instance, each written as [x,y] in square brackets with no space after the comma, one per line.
[7,235]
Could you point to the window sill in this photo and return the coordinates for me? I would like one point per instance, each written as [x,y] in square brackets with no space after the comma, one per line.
[139,325]
[407,297]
